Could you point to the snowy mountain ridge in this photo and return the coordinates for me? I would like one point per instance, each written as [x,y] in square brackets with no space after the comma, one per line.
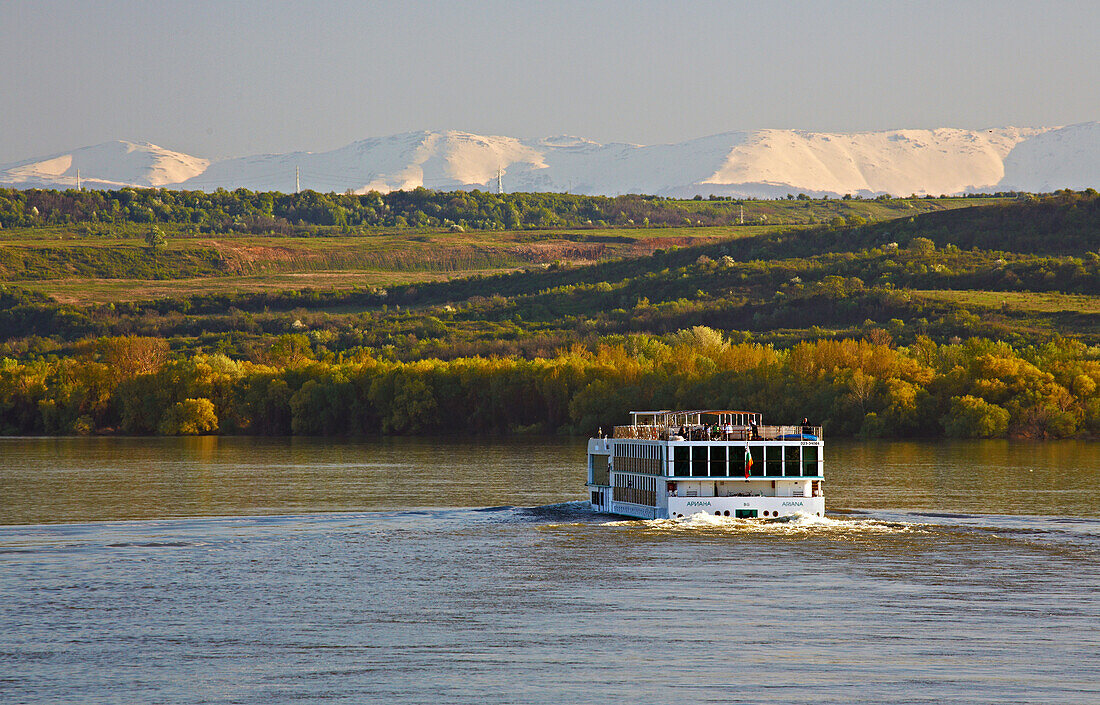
[757,163]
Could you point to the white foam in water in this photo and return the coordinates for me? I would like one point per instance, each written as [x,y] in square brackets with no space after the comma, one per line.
[799,523]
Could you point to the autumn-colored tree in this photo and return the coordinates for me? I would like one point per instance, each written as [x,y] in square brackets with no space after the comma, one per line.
[971,417]
[128,356]
[190,417]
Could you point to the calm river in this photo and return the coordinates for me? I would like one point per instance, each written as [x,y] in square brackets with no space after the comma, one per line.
[223,570]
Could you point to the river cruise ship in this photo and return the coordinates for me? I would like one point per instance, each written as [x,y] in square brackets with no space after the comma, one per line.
[673,464]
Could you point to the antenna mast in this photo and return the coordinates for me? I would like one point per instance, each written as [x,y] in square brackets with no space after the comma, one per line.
[78,188]
[297,180]
[500,182]
[741,218]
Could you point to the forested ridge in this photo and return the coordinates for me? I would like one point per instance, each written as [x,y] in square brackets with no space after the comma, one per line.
[970,322]
[276,213]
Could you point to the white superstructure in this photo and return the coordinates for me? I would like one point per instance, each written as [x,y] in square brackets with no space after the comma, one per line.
[671,464]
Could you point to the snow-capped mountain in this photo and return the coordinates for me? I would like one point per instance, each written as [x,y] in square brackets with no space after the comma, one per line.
[760,163]
[109,165]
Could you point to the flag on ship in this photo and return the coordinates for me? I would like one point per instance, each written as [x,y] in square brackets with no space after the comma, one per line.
[748,461]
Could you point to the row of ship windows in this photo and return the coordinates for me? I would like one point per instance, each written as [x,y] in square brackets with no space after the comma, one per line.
[683,453]
[637,450]
[731,461]
[636,490]
[716,461]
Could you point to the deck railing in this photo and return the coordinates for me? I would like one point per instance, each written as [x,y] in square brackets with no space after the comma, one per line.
[704,433]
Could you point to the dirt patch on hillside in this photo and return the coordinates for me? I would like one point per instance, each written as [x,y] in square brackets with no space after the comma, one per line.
[243,259]
[540,252]
[648,245]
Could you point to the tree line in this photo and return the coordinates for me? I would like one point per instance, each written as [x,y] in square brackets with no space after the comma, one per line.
[976,388]
[274,213]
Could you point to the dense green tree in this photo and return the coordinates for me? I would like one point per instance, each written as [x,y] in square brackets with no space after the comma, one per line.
[190,417]
[156,240]
[972,417]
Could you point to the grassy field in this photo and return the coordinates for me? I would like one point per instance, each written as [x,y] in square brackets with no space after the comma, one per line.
[814,211]
[89,291]
[114,269]
[101,263]
[1019,301]
[1032,314]
[614,238]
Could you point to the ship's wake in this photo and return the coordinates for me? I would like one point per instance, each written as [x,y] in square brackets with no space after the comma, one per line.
[797,524]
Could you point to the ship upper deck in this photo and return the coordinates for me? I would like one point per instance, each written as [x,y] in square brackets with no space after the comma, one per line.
[708,425]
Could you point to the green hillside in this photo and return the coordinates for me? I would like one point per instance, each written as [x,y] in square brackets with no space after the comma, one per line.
[949,296]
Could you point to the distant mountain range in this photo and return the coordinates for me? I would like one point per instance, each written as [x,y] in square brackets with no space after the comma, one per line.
[757,163]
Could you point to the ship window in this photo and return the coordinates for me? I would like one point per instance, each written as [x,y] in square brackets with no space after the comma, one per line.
[636,490]
[718,461]
[681,457]
[599,469]
[790,458]
[774,461]
[809,461]
[744,513]
[699,461]
[757,461]
[737,460]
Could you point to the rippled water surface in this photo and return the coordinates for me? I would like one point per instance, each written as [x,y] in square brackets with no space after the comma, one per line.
[416,571]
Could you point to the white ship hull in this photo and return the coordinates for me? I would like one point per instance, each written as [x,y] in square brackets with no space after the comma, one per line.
[747,507]
[732,507]
[743,471]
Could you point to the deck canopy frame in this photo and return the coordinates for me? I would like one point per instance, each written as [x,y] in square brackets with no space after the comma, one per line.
[696,417]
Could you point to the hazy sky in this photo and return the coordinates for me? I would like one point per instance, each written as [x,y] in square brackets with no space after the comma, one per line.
[221,79]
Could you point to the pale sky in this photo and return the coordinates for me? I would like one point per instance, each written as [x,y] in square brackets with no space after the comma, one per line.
[219,79]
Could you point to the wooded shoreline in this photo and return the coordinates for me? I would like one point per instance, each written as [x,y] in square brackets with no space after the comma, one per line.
[975,389]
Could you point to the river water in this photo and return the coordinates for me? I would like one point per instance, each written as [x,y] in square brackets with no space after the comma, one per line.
[221,570]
